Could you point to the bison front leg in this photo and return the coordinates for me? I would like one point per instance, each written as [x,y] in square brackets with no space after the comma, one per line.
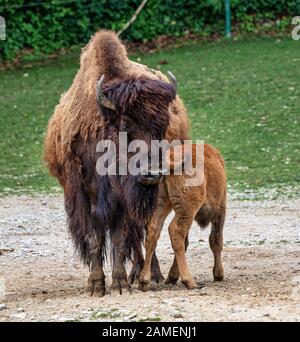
[96,280]
[82,228]
[138,263]
[156,274]
[120,284]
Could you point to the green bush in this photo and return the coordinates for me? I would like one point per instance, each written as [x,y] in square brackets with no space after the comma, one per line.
[47,25]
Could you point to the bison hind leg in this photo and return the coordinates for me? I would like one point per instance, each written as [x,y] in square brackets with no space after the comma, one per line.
[216,245]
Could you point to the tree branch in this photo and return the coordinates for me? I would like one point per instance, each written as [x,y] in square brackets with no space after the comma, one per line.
[133,18]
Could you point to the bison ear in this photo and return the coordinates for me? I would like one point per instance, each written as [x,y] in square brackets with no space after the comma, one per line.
[101,98]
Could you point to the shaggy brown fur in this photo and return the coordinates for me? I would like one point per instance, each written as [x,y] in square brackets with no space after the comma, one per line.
[145,108]
[205,203]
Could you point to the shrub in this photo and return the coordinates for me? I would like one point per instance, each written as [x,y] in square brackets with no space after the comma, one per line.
[47,25]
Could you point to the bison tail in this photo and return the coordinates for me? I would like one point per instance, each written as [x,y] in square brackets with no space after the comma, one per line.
[204,216]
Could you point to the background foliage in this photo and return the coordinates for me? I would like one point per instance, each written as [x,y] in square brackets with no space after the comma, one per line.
[43,26]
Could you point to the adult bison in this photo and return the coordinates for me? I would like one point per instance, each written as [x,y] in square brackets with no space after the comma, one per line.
[132,99]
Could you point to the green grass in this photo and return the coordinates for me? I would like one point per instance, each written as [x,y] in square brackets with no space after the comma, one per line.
[242,96]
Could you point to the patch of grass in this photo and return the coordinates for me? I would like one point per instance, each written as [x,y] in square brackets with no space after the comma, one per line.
[28,97]
[242,96]
[110,313]
[284,242]
[150,319]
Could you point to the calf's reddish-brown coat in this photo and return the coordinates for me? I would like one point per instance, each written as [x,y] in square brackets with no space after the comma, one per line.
[205,203]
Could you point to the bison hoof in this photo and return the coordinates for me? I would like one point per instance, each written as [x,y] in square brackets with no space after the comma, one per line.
[218,278]
[171,280]
[190,284]
[157,277]
[96,288]
[144,285]
[218,273]
[120,286]
[134,274]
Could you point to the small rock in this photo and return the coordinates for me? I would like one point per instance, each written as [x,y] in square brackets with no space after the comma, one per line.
[20,310]
[17,316]
[2,307]
[130,316]
[178,315]
[86,312]
[6,250]
[63,319]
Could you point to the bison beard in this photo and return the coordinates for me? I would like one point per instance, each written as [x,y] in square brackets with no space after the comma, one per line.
[120,205]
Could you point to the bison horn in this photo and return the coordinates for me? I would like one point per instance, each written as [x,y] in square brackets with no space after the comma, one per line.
[101,98]
[172,79]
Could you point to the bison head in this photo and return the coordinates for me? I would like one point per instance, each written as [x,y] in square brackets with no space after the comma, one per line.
[139,107]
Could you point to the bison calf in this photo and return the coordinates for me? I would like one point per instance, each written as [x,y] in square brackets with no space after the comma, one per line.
[205,203]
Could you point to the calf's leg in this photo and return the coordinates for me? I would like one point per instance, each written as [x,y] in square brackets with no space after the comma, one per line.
[153,232]
[162,210]
[173,275]
[216,245]
[178,231]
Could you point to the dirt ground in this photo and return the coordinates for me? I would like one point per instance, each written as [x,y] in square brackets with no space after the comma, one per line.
[42,280]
